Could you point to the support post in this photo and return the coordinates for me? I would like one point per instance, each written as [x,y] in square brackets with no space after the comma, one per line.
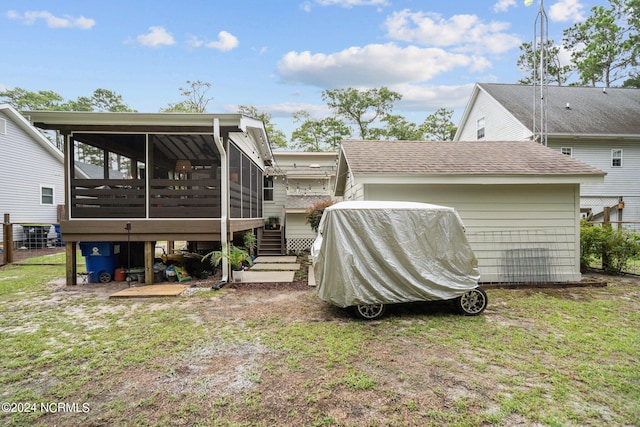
[149,252]
[71,263]
[7,238]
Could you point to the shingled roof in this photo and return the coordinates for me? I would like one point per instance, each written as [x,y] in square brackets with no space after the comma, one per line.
[592,110]
[460,158]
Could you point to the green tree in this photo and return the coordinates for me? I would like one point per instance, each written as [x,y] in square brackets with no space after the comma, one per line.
[555,73]
[195,98]
[100,100]
[397,128]
[604,46]
[318,135]
[106,100]
[361,107]
[438,126]
[277,138]
[633,81]
[22,99]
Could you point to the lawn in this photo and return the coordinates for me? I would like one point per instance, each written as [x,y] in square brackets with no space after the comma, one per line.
[253,356]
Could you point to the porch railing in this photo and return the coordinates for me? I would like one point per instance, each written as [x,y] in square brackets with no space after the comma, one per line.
[112,198]
[125,198]
[187,198]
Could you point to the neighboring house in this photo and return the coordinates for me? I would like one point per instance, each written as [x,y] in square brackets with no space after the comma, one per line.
[519,201]
[295,182]
[598,126]
[191,177]
[31,173]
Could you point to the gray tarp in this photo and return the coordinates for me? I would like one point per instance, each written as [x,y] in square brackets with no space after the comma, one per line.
[371,252]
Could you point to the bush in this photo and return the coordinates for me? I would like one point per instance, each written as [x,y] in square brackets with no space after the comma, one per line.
[315,211]
[615,247]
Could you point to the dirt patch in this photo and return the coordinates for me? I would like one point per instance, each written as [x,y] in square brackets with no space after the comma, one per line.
[410,369]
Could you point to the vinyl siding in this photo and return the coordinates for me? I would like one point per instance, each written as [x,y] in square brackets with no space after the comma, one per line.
[505,219]
[620,181]
[499,124]
[353,190]
[274,208]
[299,234]
[26,166]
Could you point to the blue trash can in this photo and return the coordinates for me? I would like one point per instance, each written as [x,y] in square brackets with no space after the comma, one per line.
[59,241]
[100,260]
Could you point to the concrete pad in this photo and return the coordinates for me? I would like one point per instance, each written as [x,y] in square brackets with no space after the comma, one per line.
[267,276]
[150,291]
[275,266]
[311,277]
[270,259]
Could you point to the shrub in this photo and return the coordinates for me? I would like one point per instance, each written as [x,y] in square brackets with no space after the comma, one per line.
[315,211]
[616,247]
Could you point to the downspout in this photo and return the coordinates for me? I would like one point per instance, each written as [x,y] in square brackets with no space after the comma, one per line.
[224,203]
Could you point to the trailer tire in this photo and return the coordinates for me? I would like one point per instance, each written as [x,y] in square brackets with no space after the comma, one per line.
[472,302]
[370,311]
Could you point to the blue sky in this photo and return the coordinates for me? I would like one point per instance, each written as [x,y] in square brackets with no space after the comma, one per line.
[277,55]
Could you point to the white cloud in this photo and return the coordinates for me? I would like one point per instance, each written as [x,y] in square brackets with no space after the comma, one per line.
[29,18]
[503,5]
[567,10]
[463,33]
[372,65]
[157,36]
[226,41]
[425,98]
[194,42]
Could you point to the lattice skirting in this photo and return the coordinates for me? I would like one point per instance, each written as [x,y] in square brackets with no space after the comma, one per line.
[300,244]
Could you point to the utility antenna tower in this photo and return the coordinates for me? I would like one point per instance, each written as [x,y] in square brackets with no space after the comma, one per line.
[540,40]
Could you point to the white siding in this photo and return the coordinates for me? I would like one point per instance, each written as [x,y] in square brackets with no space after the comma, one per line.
[25,166]
[353,190]
[299,234]
[275,207]
[620,181]
[499,124]
[506,219]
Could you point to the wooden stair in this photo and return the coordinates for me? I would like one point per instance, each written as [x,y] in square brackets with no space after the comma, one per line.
[270,243]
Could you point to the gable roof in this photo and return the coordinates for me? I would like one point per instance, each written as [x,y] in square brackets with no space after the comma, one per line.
[473,161]
[593,110]
[38,137]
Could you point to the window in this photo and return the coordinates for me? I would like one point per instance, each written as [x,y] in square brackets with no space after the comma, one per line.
[268,189]
[480,128]
[3,127]
[616,158]
[567,151]
[46,195]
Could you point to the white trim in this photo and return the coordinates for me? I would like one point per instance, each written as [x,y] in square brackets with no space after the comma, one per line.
[613,157]
[3,126]
[53,194]
[481,121]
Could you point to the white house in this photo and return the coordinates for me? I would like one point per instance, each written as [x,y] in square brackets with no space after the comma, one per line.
[32,177]
[598,126]
[294,182]
[519,201]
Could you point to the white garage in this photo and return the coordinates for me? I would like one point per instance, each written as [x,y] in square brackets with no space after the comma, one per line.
[520,201]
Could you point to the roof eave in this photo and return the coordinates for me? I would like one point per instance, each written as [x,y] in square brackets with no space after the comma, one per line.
[376,178]
[87,118]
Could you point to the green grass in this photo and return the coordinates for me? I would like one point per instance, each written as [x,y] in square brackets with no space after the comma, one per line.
[553,357]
